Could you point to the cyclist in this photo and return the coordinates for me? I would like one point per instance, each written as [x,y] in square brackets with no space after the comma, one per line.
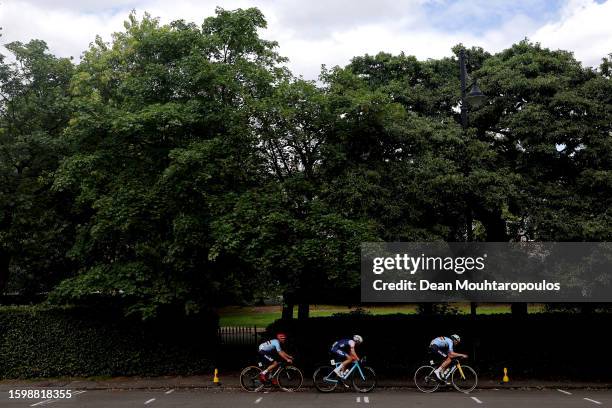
[270,352]
[445,346]
[345,349]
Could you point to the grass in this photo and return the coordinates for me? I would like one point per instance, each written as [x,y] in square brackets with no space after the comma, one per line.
[262,316]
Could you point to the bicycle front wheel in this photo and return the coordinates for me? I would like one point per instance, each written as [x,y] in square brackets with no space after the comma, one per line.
[464,379]
[425,379]
[290,378]
[324,379]
[365,382]
[249,379]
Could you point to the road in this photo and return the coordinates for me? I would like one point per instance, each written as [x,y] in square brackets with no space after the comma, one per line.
[387,398]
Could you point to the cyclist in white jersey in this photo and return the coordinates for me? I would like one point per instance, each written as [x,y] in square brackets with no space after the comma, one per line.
[270,352]
[445,346]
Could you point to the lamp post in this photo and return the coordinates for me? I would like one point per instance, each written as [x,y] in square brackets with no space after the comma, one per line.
[474,98]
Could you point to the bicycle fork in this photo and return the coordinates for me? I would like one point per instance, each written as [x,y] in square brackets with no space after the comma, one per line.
[453,369]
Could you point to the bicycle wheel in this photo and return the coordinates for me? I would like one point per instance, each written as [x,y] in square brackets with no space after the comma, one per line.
[425,379]
[249,379]
[467,382]
[365,383]
[290,378]
[319,379]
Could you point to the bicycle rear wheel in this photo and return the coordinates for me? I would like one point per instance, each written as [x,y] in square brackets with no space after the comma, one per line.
[425,379]
[249,379]
[290,378]
[320,381]
[467,382]
[365,383]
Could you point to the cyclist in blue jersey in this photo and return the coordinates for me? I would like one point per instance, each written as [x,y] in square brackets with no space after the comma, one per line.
[445,346]
[270,353]
[345,349]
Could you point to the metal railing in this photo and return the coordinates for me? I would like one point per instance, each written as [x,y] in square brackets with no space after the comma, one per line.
[239,335]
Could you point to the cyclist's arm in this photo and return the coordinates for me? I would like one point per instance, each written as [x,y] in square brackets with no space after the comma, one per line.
[285,356]
[452,354]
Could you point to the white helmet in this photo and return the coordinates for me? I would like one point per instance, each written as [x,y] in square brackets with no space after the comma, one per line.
[456,338]
[357,339]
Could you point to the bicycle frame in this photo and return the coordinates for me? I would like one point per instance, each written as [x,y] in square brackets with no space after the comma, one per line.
[275,373]
[355,366]
[456,366]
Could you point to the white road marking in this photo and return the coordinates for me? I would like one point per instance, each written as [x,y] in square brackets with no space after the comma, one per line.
[170,391]
[149,401]
[564,392]
[358,399]
[79,392]
[43,402]
[366,400]
[477,400]
[593,401]
[258,400]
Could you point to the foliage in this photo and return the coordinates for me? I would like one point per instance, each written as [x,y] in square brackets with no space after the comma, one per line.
[54,342]
[183,165]
[35,231]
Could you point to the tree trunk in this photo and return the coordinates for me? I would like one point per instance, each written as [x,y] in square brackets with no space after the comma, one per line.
[426,308]
[287,307]
[473,306]
[587,308]
[469,225]
[303,311]
[519,309]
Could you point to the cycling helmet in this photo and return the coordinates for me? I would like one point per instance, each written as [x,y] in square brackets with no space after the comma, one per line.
[281,336]
[455,337]
[357,339]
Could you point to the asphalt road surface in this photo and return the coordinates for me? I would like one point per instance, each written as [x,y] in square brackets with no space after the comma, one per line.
[552,398]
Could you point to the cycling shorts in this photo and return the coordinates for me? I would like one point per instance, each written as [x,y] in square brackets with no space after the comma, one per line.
[268,357]
[435,349]
[336,352]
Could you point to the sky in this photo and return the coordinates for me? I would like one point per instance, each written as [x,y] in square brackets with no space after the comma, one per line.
[331,32]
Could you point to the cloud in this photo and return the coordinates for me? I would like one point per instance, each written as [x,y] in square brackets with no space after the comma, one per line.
[584,28]
[67,32]
[312,33]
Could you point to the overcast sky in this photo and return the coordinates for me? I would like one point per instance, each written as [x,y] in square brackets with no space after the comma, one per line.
[315,32]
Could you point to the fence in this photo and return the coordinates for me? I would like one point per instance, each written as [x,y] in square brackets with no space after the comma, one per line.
[239,335]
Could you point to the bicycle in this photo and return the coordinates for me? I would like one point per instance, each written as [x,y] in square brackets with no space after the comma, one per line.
[462,377]
[362,377]
[287,377]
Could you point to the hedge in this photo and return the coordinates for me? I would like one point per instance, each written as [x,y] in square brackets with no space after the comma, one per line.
[547,345]
[57,342]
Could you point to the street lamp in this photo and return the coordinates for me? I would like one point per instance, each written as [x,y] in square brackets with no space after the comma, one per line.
[475,97]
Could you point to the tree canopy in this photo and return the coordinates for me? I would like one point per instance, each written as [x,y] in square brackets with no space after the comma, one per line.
[185,165]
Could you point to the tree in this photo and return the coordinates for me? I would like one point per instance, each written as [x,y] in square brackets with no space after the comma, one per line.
[35,229]
[285,227]
[162,142]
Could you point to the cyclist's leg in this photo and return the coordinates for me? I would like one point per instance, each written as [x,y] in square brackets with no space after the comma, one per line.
[446,359]
[268,359]
[346,360]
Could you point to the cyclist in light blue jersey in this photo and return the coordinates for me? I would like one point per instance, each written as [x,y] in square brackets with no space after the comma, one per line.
[270,353]
[445,346]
